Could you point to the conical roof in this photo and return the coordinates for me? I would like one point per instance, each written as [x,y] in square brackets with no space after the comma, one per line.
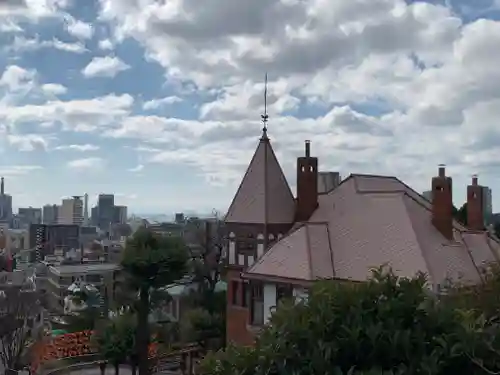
[264,196]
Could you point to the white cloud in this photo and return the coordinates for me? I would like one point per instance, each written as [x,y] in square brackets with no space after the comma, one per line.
[78,115]
[81,148]
[86,163]
[137,168]
[22,44]
[79,29]
[157,103]
[16,78]
[356,77]
[106,44]
[18,170]
[54,89]
[104,67]
[27,142]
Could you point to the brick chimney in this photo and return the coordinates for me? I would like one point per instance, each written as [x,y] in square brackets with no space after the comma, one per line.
[442,203]
[475,214]
[307,184]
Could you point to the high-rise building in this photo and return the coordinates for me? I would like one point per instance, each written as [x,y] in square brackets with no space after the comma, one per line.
[86,210]
[120,216]
[48,238]
[30,215]
[5,203]
[487,204]
[105,211]
[50,214]
[71,211]
[427,195]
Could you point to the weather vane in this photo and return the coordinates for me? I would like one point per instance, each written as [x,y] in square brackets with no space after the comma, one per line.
[265,116]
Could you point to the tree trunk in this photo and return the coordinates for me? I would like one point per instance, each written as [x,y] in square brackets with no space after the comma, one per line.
[142,341]
[102,367]
[117,368]
[134,369]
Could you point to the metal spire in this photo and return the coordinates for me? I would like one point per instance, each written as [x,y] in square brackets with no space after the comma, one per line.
[265,116]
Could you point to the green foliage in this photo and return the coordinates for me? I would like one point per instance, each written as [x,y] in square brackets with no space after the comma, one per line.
[388,325]
[483,298]
[150,262]
[116,339]
[200,326]
[154,261]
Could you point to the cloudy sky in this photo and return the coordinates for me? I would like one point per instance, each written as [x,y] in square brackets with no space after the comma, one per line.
[160,101]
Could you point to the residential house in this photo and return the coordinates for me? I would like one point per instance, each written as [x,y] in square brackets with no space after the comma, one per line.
[278,244]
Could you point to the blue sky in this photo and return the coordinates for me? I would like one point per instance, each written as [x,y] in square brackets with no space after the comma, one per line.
[159,102]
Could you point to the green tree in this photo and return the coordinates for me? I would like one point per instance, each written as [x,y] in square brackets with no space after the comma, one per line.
[202,327]
[115,340]
[151,262]
[388,325]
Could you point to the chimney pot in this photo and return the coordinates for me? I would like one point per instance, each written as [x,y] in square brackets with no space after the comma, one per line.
[308,148]
[474,179]
[441,169]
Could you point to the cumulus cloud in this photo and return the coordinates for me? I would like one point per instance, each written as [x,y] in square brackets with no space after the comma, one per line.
[379,86]
[79,29]
[157,103]
[54,88]
[104,67]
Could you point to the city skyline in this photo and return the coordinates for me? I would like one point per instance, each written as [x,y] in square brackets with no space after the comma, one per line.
[164,111]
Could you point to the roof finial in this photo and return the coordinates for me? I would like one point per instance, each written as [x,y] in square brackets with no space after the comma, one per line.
[265,116]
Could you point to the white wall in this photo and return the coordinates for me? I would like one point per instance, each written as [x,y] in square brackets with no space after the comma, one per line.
[269,300]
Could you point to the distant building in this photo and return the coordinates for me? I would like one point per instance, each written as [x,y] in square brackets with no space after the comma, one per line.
[120,216]
[487,204]
[105,211]
[71,211]
[104,276]
[180,218]
[30,215]
[328,181]
[427,195]
[5,203]
[52,239]
[50,214]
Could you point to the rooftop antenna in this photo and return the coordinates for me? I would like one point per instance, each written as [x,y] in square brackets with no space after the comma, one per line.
[265,116]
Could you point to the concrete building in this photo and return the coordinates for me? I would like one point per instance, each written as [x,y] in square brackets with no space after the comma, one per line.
[53,239]
[104,276]
[487,204]
[105,211]
[120,216]
[427,195]
[328,181]
[71,211]
[279,244]
[29,215]
[50,214]
[5,203]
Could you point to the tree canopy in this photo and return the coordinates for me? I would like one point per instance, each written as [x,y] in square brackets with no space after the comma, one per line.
[388,325]
[151,262]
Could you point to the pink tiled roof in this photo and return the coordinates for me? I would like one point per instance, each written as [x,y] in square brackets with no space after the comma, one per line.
[264,196]
[368,221]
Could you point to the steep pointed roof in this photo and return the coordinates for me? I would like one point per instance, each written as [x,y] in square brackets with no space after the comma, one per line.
[264,196]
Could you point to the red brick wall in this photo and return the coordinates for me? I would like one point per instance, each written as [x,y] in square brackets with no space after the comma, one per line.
[237,317]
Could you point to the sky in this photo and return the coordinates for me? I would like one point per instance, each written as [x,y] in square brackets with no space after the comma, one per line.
[159,102]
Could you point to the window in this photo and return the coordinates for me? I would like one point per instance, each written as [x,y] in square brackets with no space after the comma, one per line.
[257,305]
[235,287]
[283,292]
[245,294]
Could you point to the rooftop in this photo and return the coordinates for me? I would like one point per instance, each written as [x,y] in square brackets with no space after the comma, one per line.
[72,269]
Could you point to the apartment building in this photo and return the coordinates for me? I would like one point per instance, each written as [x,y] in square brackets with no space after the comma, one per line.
[104,276]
